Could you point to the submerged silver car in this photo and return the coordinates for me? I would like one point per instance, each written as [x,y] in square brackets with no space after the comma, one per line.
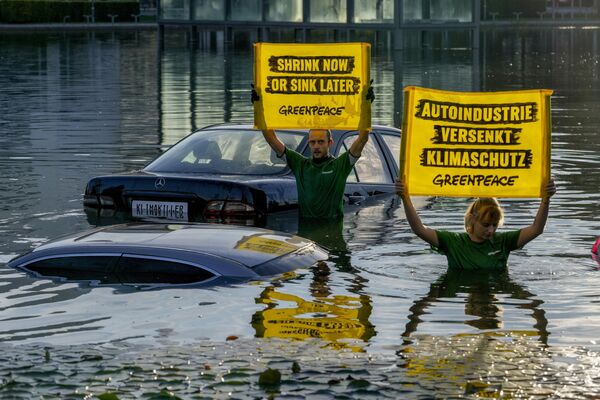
[166,254]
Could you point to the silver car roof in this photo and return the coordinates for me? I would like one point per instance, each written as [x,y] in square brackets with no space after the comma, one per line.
[225,248]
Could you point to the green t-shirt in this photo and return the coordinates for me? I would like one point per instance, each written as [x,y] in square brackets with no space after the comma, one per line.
[466,254]
[320,185]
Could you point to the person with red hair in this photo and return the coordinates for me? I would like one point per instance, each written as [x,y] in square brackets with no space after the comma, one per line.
[480,247]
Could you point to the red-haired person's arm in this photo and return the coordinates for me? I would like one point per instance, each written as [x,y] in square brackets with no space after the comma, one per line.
[427,234]
[537,228]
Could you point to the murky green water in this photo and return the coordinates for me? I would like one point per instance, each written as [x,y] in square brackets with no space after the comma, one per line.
[381,319]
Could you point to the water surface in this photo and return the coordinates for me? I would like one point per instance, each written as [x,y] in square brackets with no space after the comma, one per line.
[381,318]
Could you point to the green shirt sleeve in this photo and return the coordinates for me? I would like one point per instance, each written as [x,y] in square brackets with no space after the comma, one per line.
[511,239]
[344,164]
[293,158]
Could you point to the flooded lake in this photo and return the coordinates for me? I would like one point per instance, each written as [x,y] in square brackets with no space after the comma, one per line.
[382,319]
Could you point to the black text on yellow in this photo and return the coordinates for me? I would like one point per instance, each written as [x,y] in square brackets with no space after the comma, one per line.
[513,113]
[318,65]
[465,135]
[476,158]
[313,85]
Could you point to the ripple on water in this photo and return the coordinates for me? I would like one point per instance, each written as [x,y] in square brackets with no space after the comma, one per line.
[502,364]
[66,122]
[5,258]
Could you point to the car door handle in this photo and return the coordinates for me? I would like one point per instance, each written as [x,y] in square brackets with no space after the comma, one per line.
[355,199]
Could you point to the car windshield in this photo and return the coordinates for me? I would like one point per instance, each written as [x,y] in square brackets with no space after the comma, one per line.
[231,152]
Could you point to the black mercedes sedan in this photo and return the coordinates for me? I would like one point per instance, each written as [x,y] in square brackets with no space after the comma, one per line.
[227,173]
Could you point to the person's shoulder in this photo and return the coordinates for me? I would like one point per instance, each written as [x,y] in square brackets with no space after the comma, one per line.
[450,235]
[508,234]
[289,153]
[446,238]
[344,158]
[511,237]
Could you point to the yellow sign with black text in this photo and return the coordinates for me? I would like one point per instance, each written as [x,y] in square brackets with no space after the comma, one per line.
[475,144]
[264,244]
[320,86]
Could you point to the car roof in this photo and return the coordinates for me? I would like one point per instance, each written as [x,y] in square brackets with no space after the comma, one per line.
[246,246]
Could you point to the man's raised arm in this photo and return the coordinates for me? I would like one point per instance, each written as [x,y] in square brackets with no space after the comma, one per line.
[363,134]
[276,144]
[360,142]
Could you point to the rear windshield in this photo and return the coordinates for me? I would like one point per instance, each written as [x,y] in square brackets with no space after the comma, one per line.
[235,151]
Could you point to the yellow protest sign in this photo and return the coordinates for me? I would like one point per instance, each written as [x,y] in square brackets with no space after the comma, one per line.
[478,144]
[312,85]
[263,244]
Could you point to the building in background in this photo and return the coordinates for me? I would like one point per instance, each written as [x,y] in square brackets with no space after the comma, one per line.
[397,23]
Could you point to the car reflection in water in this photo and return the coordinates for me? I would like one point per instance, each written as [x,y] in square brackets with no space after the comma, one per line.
[149,255]
[486,362]
[228,173]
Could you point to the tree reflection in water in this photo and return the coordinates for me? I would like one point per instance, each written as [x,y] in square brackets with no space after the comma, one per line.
[341,321]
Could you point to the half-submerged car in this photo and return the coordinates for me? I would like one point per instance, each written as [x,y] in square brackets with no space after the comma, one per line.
[162,254]
[227,172]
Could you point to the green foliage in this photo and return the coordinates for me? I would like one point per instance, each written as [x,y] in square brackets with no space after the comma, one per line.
[108,396]
[42,11]
[269,377]
[295,367]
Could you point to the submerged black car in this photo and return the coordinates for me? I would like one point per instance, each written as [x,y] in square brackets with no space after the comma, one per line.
[229,172]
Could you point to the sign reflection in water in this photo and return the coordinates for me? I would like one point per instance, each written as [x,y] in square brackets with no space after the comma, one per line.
[340,320]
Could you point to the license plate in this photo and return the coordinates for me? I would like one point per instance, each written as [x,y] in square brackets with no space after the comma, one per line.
[160,209]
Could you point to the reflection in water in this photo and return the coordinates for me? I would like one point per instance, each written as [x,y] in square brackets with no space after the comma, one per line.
[23,305]
[483,295]
[77,104]
[486,365]
[327,233]
[198,88]
[339,320]
[475,360]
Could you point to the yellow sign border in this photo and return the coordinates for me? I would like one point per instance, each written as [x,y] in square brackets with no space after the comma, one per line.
[362,121]
[546,127]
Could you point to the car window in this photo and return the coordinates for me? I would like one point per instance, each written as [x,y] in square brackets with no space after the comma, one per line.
[370,167]
[67,266]
[235,151]
[152,270]
[393,143]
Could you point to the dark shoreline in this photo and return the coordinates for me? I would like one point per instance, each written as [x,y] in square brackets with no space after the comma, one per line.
[75,26]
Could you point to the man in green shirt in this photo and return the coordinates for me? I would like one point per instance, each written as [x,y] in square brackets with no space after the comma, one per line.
[480,247]
[320,179]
